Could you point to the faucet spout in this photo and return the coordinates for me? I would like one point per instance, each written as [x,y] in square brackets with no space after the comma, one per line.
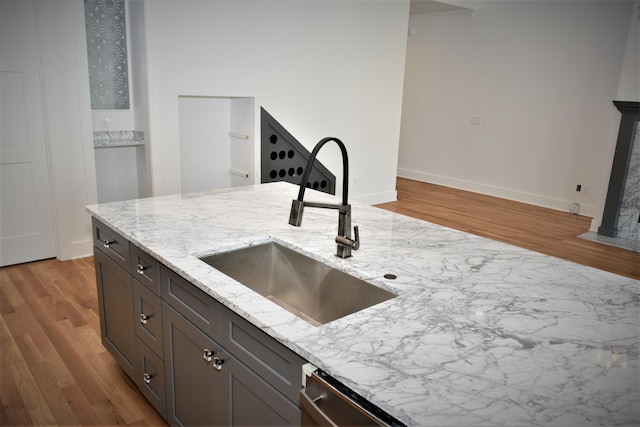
[343,240]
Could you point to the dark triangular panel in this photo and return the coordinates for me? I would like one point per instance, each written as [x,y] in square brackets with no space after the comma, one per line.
[283,158]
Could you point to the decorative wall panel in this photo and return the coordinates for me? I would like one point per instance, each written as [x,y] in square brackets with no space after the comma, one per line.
[283,158]
[107,51]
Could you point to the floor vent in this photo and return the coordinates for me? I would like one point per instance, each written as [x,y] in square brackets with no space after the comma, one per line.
[283,158]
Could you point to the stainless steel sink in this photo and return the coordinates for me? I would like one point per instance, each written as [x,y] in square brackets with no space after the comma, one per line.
[307,288]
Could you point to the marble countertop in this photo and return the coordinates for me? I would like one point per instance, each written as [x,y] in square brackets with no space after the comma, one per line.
[118,138]
[480,333]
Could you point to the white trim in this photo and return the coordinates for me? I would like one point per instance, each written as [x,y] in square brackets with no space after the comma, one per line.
[502,192]
[376,198]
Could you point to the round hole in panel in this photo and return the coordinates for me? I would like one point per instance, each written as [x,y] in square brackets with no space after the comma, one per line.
[300,170]
[316,184]
[274,155]
[308,185]
[273,139]
[292,172]
[290,154]
[282,154]
[323,183]
[273,174]
[282,173]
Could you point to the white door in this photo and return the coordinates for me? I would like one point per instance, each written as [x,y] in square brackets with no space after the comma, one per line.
[26,215]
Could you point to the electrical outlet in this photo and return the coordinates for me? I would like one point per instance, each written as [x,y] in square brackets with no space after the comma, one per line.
[575,208]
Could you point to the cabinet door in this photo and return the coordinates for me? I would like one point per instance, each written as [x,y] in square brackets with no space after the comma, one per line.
[192,381]
[248,400]
[276,364]
[115,299]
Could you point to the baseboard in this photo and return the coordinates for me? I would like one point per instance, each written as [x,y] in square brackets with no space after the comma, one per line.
[74,250]
[502,192]
[376,198]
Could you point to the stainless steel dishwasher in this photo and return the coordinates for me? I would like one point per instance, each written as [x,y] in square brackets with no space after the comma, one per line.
[324,401]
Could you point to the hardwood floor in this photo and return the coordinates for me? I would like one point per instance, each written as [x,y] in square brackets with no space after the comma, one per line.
[53,367]
[55,371]
[543,230]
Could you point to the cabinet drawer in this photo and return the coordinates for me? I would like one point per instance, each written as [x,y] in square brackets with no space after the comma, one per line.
[151,377]
[112,244]
[275,363]
[148,315]
[146,269]
[191,302]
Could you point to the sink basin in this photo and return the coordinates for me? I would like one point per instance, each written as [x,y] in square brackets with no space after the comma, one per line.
[310,289]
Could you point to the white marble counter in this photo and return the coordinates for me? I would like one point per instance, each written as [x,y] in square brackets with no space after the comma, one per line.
[118,138]
[481,333]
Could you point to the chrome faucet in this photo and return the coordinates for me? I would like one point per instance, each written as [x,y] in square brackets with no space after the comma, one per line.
[343,239]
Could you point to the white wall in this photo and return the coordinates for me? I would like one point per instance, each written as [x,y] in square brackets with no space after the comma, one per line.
[539,76]
[63,61]
[629,88]
[243,151]
[320,67]
[205,152]
[117,173]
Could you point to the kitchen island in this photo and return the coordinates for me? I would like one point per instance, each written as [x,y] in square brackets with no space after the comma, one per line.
[480,332]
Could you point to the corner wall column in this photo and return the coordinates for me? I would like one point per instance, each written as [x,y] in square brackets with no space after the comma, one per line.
[620,168]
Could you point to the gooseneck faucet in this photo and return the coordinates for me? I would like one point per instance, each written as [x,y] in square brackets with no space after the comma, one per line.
[343,240]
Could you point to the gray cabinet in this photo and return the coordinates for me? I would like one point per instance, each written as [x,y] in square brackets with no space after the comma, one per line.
[145,269]
[148,313]
[248,400]
[193,391]
[196,362]
[115,298]
[150,376]
[112,244]
[206,385]
[130,311]
[276,364]
[251,382]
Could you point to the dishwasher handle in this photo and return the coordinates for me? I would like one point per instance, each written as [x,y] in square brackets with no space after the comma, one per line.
[322,404]
[312,414]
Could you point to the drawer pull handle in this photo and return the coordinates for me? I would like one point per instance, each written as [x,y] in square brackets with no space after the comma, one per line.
[217,363]
[207,355]
[106,243]
[147,378]
[140,268]
[144,318]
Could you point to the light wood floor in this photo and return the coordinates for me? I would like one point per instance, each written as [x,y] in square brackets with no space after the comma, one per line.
[55,371]
[53,367]
[543,230]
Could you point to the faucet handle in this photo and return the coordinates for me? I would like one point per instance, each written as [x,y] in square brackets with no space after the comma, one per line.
[356,239]
[350,243]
